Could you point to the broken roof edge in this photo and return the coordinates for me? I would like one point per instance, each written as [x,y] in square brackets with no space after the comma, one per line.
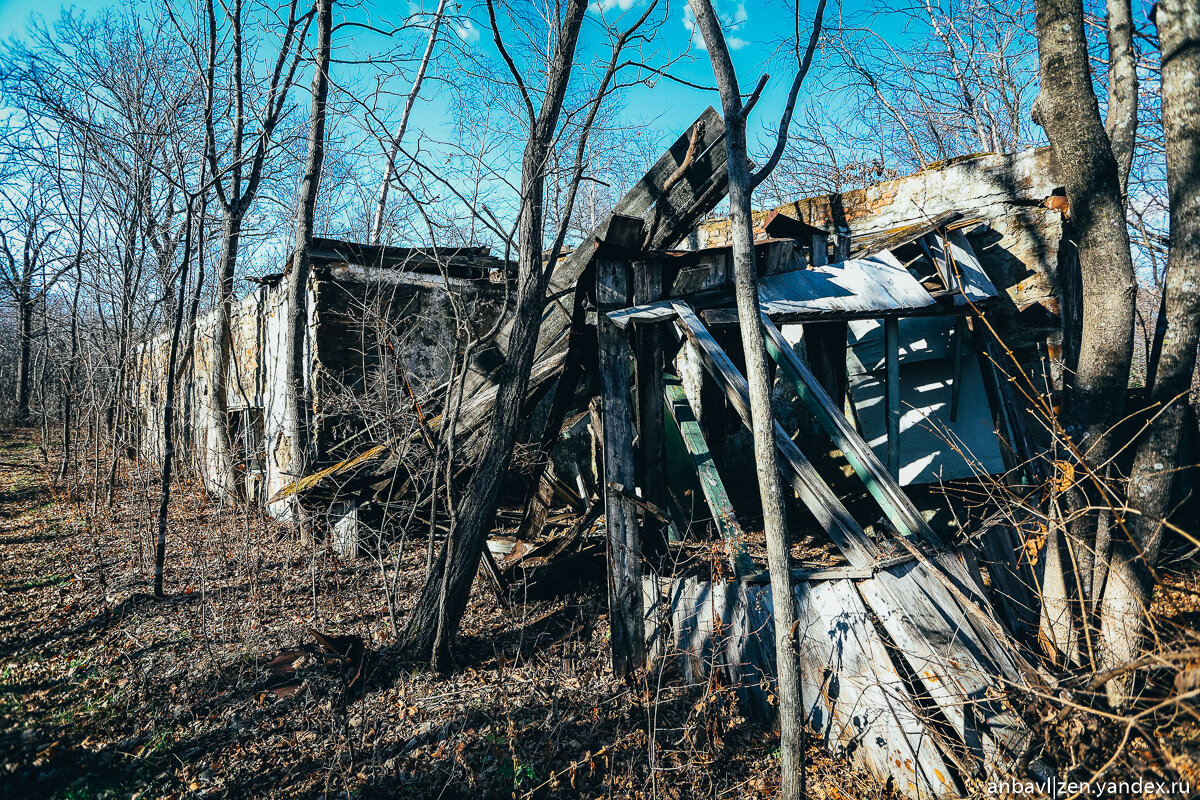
[458,261]
[964,184]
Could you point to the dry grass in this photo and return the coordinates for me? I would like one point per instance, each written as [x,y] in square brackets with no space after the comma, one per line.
[107,692]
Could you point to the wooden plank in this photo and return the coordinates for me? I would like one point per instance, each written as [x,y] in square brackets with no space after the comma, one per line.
[724,315]
[853,696]
[923,607]
[801,575]
[972,278]
[891,393]
[818,248]
[624,547]
[879,283]
[676,209]
[651,449]
[892,500]
[954,663]
[711,486]
[856,699]
[779,257]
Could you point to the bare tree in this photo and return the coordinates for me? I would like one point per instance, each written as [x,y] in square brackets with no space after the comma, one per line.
[766,459]
[440,608]
[237,157]
[389,167]
[1153,484]
[296,426]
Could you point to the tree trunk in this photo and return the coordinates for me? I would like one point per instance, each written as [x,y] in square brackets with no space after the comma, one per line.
[217,468]
[1153,481]
[389,168]
[765,456]
[24,350]
[440,608]
[168,411]
[1068,111]
[1122,119]
[296,426]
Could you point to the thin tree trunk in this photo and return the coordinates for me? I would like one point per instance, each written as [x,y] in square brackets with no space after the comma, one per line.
[71,369]
[168,411]
[389,167]
[1121,122]
[765,456]
[1153,481]
[218,455]
[440,608]
[24,350]
[296,427]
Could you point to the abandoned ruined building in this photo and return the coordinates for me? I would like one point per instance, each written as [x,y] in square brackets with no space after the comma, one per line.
[912,325]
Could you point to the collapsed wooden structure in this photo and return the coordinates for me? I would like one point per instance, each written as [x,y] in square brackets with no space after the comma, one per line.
[910,627]
[908,655]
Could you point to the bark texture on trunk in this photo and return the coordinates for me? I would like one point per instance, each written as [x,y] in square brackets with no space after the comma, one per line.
[218,455]
[1154,478]
[758,377]
[296,425]
[1068,111]
[440,608]
[1122,119]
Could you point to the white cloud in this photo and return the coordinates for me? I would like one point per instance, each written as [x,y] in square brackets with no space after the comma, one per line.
[467,31]
[605,6]
[731,24]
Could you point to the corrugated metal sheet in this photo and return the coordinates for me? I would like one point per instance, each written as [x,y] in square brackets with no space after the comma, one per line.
[878,283]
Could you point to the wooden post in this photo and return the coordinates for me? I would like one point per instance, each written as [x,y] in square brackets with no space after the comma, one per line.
[960,345]
[891,392]
[651,467]
[613,291]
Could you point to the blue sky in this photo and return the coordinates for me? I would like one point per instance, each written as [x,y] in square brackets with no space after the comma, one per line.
[752,29]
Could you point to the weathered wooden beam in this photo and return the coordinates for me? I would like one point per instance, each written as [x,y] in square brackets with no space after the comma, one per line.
[722,315]
[613,290]
[651,447]
[711,486]
[892,500]
[696,162]
[891,392]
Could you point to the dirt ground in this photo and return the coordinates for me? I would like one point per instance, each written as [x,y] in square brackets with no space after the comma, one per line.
[220,690]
